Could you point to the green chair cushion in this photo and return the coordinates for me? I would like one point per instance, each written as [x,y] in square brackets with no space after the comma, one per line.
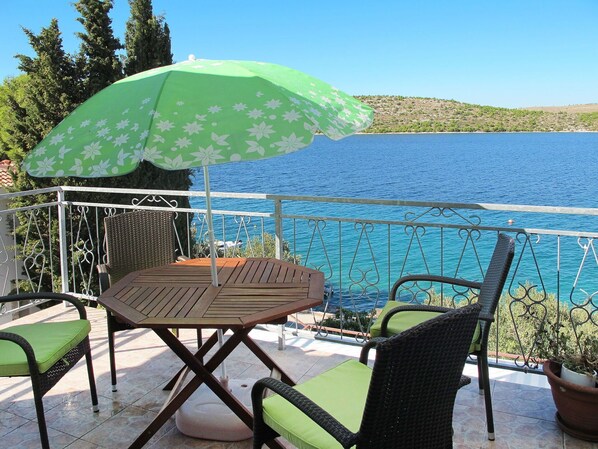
[50,342]
[341,391]
[406,320]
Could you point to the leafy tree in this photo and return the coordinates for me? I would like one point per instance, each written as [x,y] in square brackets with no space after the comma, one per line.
[44,97]
[32,105]
[11,90]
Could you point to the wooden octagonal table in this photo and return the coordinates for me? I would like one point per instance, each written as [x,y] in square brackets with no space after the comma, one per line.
[251,291]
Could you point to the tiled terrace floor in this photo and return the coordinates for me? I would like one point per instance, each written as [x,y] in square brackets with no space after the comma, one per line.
[523,412]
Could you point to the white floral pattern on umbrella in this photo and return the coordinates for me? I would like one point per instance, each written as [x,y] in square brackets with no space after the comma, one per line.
[196,113]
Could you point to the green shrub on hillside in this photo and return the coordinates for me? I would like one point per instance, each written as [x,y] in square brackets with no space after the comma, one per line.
[410,114]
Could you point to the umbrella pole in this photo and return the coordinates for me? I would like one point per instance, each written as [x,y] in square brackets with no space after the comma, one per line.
[214,271]
[206,178]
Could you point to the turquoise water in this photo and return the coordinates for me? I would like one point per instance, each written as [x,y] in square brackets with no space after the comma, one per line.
[544,169]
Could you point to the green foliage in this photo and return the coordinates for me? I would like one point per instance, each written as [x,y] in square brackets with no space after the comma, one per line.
[147,39]
[147,45]
[12,91]
[590,119]
[264,246]
[53,84]
[578,351]
[348,320]
[413,114]
[44,97]
[98,63]
[529,324]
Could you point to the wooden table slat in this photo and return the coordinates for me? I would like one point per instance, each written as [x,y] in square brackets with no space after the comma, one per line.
[195,299]
[142,295]
[290,274]
[170,297]
[200,307]
[282,274]
[186,300]
[266,272]
[192,323]
[245,269]
[273,274]
[153,297]
[250,288]
[123,311]
[225,273]
[255,265]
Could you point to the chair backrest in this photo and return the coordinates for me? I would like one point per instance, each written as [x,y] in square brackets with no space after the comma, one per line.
[139,240]
[496,274]
[414,382]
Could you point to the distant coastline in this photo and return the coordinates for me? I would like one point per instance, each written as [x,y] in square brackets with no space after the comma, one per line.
[396,114]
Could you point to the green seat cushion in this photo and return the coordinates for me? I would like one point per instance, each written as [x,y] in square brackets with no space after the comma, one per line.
[406,320]
[341,391]
[50,342]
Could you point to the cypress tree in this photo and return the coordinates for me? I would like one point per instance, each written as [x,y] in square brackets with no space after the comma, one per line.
[147,45]
[100,65]
[147,39]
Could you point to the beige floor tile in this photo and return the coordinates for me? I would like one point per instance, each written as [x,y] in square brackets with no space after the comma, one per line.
[524,415]
[123,428]
[10,422]
[27,437]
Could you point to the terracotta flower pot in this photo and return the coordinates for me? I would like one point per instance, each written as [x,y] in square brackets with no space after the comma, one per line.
[577,407]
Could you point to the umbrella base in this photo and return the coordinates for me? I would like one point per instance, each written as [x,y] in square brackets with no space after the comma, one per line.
[205,416]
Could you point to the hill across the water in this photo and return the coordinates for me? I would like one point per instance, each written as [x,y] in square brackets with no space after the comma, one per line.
[394,114]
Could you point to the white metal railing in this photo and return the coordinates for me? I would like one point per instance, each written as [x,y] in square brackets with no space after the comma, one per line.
[361,245]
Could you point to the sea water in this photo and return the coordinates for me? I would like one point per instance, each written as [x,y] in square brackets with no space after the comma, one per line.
[541,169]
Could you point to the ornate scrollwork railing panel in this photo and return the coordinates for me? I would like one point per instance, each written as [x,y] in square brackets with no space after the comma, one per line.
[360,251]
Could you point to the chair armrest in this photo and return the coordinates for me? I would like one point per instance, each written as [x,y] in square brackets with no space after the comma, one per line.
[316,413]
[486,317]
[103,275]
[25,346]
[464,381]
[433,278]
[48,295]
[370,344]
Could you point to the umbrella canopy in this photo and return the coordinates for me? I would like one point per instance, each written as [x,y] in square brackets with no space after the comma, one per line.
[192,114]
[196,113]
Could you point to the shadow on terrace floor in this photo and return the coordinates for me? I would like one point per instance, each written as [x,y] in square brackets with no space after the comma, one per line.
[523,413]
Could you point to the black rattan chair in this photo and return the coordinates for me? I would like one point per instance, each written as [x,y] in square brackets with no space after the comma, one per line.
[134,241]
[405,401]
[46,352]
[489,293]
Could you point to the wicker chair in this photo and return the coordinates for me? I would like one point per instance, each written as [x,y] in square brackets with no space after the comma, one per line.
[405,401]
[46,352]
[134,241]
[490,290]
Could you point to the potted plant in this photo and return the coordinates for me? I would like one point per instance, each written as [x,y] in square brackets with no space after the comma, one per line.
[571,357]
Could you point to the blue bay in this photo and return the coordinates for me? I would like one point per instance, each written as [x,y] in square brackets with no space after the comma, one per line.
[542,169]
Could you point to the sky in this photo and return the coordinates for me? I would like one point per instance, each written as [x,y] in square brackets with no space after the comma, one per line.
[506,53]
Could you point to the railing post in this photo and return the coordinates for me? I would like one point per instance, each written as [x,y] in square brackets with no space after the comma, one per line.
[278,228]
[62,238]
[279,254]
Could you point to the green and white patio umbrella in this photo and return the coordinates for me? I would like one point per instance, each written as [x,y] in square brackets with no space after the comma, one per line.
[194,114]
